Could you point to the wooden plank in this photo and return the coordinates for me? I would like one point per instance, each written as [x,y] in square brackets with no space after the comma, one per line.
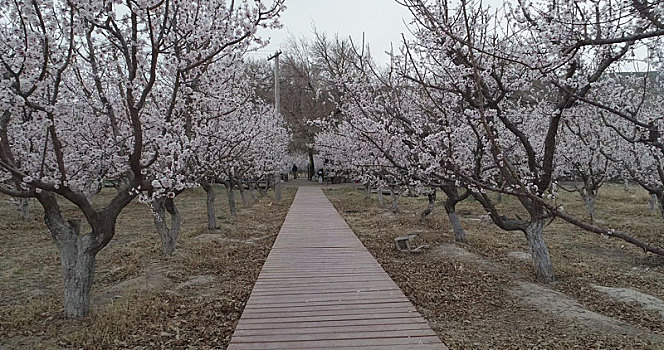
[385,343]
[321,289]
[331,324]
[261,315]
[348,303]
[331,297]
[340,329]
[351,334]
[329,307]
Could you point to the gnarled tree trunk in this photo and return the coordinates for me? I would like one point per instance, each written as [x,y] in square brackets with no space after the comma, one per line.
[533,230]
[660,203]
[78,267]
[395,201]
[211,212]
[453,197]
[653,203]
[277,188]
[252,186]
[431,196]
[77,252]
[169,235]
[450,209]
[243,195]
[539,251]
[231,197]
[311,169]
[24,208]
[588,195]
[263,191]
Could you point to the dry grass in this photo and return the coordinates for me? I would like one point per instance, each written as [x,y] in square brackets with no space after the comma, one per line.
[468,303]
[140,298]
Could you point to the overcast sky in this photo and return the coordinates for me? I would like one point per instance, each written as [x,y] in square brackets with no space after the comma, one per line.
[382,22]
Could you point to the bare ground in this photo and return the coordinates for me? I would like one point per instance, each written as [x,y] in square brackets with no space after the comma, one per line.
[482,295]
[140,298]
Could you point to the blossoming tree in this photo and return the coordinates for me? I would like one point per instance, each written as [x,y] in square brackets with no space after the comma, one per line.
[95,91]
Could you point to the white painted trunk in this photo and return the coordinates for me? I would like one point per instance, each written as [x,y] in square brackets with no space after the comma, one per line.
[211,217]
[379,195]
[277,189]
[367,193]
[169,235]
[243,195]
[78,267]
[589,200]
[254,197]
[24,208]
[539,251]
[432,201]
[459,233]
[231,197]
[263,191]
[660,206]
[395,203]
[653,204]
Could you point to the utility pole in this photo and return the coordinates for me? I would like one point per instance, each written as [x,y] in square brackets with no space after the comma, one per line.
[277,94]
[277,108]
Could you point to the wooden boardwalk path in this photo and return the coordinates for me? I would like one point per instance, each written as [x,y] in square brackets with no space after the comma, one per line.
[321,289]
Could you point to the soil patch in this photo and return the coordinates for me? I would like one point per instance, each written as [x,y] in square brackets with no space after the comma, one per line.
[196,281]
[155,277]
[218,237]
[454,252]
[629,295]
[558,304]
[521,256]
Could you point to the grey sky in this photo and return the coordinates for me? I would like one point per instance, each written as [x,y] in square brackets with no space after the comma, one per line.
[382,22]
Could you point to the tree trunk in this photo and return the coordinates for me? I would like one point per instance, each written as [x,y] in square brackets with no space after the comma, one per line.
[660,206]
[432,200]
[540,253]
[231,197]
[311,169]
[379,195]
[269,182]
[211,197]
[653,203]
[588,197]
[169,235]
[395,204]
[78,253]
[78,267]
[277,188]
[367,194]
[450,209]
[24,208]
[453,197]
[263,191]
[252,186]
[243,195]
